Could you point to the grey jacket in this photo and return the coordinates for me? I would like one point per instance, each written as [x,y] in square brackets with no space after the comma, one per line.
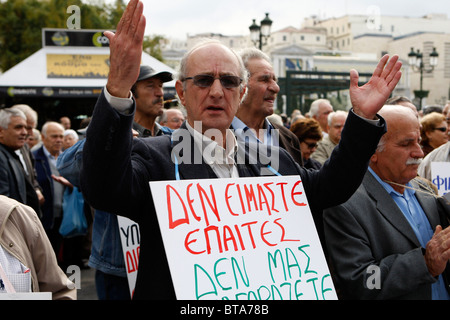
[370,230]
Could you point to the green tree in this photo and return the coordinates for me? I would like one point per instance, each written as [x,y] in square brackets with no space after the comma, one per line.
[153,46]
[22,22]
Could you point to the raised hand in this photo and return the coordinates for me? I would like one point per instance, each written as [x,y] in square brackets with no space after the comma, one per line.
[370,98]
[126,50]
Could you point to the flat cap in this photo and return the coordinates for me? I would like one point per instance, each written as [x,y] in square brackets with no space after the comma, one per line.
[147,72]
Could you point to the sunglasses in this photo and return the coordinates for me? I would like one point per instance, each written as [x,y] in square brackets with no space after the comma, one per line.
[442,129]
[206,81]
[311,145]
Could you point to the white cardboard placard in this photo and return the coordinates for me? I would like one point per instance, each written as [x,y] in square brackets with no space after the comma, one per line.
[238,239]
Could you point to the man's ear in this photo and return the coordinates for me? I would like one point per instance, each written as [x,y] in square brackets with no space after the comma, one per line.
[243,94]
[180,91]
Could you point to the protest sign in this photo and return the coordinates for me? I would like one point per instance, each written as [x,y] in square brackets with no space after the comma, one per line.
[440,176]
[26,296]
[238,239]
[130,239]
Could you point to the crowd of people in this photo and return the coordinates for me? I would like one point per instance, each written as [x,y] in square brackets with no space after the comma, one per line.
[434,127]
[387,216]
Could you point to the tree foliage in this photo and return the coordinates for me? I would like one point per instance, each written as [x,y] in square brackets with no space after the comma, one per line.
[153,46]
[22,21]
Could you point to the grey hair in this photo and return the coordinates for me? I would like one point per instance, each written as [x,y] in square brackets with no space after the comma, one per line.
[47,124]
[333,114]
[314,110]
[71,132]
[253,53]
[7,114]
[28,111]
[381,144]
[385,109]
[182,73]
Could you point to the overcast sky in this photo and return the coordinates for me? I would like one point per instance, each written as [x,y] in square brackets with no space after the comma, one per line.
[176,18]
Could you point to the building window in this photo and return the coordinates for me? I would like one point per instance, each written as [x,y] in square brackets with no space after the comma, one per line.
[447,60]
[318,38]
[302,38]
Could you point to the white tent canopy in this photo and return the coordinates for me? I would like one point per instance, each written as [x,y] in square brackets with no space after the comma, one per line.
[30,78]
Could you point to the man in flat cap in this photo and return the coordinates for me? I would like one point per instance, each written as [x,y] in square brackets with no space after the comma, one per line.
[148,93]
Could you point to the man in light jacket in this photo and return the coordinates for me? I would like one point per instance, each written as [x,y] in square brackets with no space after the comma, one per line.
[27,249]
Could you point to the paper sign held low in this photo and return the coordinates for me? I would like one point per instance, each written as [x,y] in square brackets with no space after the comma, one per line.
[239,239]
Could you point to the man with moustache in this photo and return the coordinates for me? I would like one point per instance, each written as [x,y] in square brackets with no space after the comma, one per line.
[390,240]
[211,85]
[148,93]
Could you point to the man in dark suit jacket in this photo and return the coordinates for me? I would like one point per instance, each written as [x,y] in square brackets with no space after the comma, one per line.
[384,242]
[25,152]
[52,187]
[117,168]
[14,182]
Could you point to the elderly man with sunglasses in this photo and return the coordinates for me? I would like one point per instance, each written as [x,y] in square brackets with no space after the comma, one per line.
[211,84]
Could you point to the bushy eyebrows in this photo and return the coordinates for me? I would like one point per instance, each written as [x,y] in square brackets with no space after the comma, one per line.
[267,77]
[224,73]
[408,141]
[20,126]
[152,82]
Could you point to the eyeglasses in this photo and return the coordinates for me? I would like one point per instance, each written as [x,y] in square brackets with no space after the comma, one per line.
[206,81]
[176,120]
[311,145]
[442,129]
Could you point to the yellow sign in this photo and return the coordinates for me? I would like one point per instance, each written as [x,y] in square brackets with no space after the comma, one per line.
[90,66]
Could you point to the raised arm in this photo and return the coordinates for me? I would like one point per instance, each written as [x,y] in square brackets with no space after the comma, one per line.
[126,50]
[107,174]
[370,98]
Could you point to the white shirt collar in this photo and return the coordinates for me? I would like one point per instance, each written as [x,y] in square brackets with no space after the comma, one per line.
[211,151]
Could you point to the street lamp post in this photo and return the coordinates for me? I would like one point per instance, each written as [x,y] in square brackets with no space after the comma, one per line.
[260,33]
[417,64]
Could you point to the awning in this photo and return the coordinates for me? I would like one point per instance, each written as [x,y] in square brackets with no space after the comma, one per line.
[66,72]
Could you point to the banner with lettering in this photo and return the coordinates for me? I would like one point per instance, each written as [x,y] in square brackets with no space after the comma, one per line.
[241,239]
[77,66]
[130,238]
[440,176]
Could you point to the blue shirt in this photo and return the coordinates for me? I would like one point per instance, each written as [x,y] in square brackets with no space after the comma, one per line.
[413,212]
[242,131]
